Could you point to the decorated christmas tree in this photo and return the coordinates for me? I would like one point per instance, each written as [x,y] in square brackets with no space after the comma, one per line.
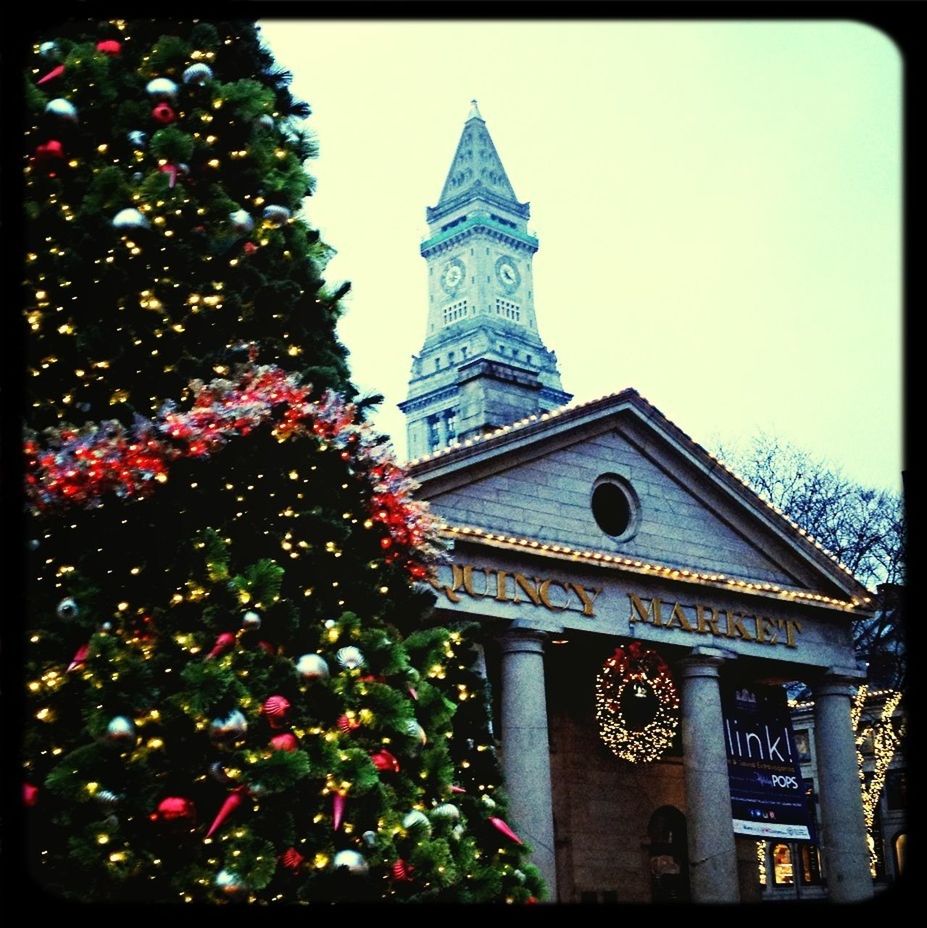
[233,690]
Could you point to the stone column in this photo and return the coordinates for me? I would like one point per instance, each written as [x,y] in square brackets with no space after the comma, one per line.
[712,852]
[525,746]
[843,829]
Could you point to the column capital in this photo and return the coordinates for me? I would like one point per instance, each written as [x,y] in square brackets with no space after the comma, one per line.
[704,661]
[522,636]
[839,681]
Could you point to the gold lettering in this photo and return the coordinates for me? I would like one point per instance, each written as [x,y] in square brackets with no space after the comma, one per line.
[584,597]
[449,591]
[765,631]
[735,626]
[525,585]
[706,624]
[792,627]
[679,618]
[652,614]
[501,591]
[544,593]
[468,581]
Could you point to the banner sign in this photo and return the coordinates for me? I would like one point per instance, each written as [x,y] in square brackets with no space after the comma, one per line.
[768,795]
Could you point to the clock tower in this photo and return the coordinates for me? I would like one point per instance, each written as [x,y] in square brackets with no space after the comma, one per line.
[483,364]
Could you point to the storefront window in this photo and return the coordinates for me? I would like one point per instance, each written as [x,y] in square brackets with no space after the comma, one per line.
[901,843]
[810,859]
[803,744]
[783,872]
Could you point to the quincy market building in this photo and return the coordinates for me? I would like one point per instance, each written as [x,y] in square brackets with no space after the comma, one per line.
[580,528]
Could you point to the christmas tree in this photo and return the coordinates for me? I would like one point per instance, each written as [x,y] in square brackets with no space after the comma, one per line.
[232,688]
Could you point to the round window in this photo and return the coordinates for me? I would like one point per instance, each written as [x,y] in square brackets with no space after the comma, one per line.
[614,506]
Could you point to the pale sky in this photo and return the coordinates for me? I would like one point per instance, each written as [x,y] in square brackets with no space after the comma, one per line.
[717,204]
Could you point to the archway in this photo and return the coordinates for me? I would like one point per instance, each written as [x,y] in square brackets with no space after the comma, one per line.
[669,855]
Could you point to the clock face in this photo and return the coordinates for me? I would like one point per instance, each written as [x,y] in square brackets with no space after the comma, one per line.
[453,274]
[507,273]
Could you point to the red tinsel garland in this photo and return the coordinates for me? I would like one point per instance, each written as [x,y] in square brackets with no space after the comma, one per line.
[79,467]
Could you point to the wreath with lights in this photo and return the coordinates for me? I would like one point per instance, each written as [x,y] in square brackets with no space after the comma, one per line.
[636,704]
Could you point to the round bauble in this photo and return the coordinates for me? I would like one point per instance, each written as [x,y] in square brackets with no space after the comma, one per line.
[312,667]
[67,608]
[120,730]
[414,730]
[173,809]
[231,727]
[130,218]
[251,620]
[458,831]
[230,883]
[519,875]
[369,838]
[488,801]
[286,741]
[415,820]
[30,794]
[52,150]
[276,215]
[162,88]
[33,544]
[265,120]
[351,861]
[197,74]
[385,762]
[275,709]
[447,811]
[241,221]
[63,109]
[217,772]
[350,657]
[51,51]
[291,859]
[109,47]
[163,114]
[106,797]
[137,138]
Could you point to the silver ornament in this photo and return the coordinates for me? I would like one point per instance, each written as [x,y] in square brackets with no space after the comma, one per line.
[106,797]
[351,861]
[519,875]
[137,177]
[67,608]
[350,657]
[265,120]
[458,831]
[197,74]
[447,811]
[241,220]
[416,819]
[251,620]
[137,138]
[162,88]
[231,727]
[370,838]
[217,772]
[120,729]
[34,544]
[106,626]
[50,51]
[312,667]
[414,730]
[488,801]
[63,109]
[130,219]
[276,215]
[329,623]
[111,822]
[230,882]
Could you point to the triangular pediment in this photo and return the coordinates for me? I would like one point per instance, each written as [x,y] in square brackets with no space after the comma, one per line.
[536,480]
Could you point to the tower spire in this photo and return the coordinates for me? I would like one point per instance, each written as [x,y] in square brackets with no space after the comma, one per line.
[474,112]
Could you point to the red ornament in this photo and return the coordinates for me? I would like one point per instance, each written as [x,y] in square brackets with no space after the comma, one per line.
[267,646]
[291,859]
[109,47]
[531,900]
[284,742]
[401,870]
[346,724]
[55,72]
[163,114]
[249,248]
[457,789]
[30,794]
[173,809]
[232,802]
[500,825]
[225,641]
[275,710]
[80,655]
[385,762]
[337,810]
[172,170]
[50,150]
[413,692]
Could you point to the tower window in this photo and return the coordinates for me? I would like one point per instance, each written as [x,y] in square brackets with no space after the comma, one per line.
[451,424]
[455,311]
[450,357]
[615,507]
[434,433]
[508,310]
[463,352]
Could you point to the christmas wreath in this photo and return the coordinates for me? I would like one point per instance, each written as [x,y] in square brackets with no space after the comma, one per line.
[636,704]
